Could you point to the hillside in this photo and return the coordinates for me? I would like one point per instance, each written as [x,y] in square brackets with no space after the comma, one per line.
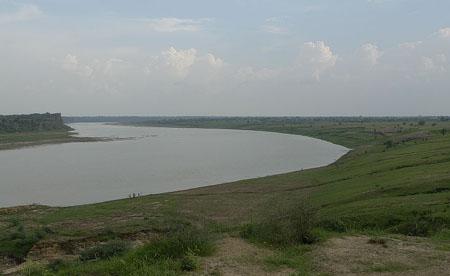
[18,131]
[382,208]
[32,123]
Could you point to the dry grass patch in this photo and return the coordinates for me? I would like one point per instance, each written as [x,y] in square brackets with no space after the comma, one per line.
[361,255]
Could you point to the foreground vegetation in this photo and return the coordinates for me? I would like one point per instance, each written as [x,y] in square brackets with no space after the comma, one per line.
[395,181]
[173,254]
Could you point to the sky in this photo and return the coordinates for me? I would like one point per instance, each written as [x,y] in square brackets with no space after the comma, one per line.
[234,57]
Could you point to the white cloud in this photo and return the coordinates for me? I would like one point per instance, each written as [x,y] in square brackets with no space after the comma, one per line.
[274,25]
[179,60]
[410,45]
[428,64]
[173,24]
[71,63]
[370,53]
[25,12]
[435,64]
[115,77]
[444,32]
[214,61]
[175,64]
[316,57]
[110,64]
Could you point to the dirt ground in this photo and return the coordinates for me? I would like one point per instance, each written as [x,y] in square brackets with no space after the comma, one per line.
[361,255]
[235,256]
[351,255]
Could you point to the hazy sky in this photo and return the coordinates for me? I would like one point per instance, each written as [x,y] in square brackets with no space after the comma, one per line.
[233,57]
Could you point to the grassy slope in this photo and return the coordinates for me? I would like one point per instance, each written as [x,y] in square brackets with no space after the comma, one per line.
[372,188]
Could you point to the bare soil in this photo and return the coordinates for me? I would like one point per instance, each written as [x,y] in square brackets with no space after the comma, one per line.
[235,256]
[356,255]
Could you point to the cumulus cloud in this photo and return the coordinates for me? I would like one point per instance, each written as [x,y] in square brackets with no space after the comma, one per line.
[25,12]
[173,24]
[444,32]
[155,77]
[186,66]
[71,63]
[316,58]
[435,64]
[110,65]
[214,61]
[370,53]
[179,60]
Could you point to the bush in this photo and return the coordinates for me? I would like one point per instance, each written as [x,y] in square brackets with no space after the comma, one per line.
[105,251]
[285,226]
[55,265]
[188,263]
[389,144]
[420,224]
[335,225]
[16,242]
[177,245]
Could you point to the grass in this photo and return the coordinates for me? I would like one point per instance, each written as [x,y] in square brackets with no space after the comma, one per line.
[295,257]
[16,241]
[105,251]
[401,187]
[283,226]
[22,139]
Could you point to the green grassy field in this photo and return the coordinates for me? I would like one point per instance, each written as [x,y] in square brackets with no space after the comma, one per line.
[396,180]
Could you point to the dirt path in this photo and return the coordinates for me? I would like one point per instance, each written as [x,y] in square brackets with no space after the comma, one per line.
[361,255]
[235,256]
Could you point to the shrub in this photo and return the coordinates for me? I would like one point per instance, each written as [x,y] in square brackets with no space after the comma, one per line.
[105,251]
[55,265]
[177,245]
[389,144]
[285,226]
[188,263]
[335,225]
[16,242]
[420,224]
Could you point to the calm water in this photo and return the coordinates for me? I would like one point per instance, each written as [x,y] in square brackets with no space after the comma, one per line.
[157,160]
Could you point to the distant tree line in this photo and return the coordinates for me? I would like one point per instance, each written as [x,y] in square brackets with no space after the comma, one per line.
[31,123]
[181,120]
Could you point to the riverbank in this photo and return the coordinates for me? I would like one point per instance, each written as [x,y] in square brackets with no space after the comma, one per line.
[391,188]
[31,139]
